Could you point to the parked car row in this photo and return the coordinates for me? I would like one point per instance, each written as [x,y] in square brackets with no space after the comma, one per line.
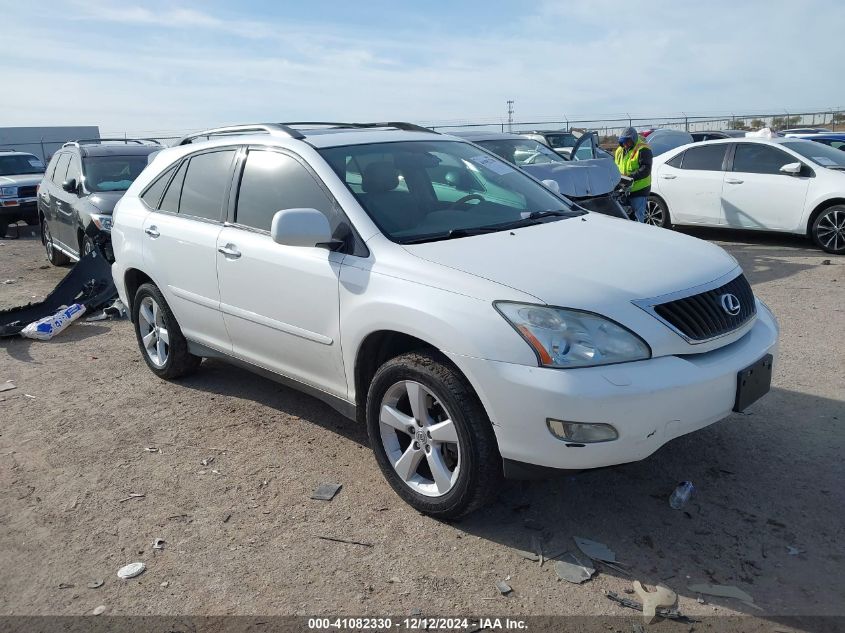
[479,324]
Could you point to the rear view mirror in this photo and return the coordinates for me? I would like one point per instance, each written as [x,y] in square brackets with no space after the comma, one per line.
[552,184]
[300,227]
[70,185]
[793,169]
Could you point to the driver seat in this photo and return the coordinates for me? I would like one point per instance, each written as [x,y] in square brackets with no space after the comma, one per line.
[394,210]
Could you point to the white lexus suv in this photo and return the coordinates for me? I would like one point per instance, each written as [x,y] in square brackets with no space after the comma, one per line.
[477,323]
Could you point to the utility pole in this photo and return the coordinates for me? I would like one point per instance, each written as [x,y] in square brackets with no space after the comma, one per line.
[510,115]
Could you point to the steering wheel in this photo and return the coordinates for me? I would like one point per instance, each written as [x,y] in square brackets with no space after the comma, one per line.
[467,198]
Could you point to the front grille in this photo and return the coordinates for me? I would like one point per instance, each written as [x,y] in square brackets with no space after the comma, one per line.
[702,316]
[26,192]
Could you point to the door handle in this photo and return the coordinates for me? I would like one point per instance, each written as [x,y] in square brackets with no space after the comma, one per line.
[669,177]
[733,181]
[229,251]
[152,231]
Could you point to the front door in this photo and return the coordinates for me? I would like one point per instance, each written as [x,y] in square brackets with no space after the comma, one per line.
[757,195]
[280,303]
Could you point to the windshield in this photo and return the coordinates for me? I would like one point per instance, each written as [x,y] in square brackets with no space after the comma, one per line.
[522,151]
[19,164]
[112,173]
[818,153]
[416,190]
[561,140]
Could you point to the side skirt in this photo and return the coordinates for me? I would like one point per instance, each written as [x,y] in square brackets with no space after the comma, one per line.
[344,407]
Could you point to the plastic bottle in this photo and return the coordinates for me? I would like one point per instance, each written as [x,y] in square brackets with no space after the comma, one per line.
[681,495]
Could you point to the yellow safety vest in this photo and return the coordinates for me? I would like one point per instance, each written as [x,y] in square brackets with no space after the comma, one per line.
[629,161]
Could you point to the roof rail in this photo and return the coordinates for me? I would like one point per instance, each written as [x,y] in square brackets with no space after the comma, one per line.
[8,150]
[97,141]
[274,129]
[399,125]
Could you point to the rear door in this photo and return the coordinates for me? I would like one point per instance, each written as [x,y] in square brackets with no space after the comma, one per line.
[757,195]
[280,303]
[692,186]
[64,228]
[52,201]
[180,242]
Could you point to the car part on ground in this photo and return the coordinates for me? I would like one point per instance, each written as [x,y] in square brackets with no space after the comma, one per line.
[88,283]
[487,326]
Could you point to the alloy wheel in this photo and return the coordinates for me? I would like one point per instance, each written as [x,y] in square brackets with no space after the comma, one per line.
[420,438]
[154,335]
[830,230]
[654,214]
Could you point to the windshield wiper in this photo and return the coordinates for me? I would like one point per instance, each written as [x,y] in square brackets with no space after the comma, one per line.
[449,235]
[563,213]
[529,219]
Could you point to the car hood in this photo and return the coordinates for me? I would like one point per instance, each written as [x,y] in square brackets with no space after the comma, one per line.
[578,179]
[23,180]
[105,201]
[592,262]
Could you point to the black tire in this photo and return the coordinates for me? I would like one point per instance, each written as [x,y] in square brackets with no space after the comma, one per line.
[828,230]
[657,213]
[86,245]
[480,470]
[178,361]
[4,227]
[54,255]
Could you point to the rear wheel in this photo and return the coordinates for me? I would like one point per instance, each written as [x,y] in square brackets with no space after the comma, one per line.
[431,437]
[54,255]
[657,213]
[159,336]
[828,230]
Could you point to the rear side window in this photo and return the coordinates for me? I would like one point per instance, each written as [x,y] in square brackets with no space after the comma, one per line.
[170,202]
[676,161]
[753,158]
[705,158]
[152,196]
[61,169]
[205,184]
[273,181]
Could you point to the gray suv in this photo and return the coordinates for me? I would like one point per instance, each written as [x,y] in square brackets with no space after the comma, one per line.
[20,173]
[83,182]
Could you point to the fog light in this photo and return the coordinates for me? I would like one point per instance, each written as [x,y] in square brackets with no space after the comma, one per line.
[581,432]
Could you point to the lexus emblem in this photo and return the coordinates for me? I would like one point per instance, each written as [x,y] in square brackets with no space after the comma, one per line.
[730,304]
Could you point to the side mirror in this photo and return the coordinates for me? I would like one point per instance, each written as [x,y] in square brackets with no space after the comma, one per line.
[301,227]
[70,185]
[552,184]
[793,169]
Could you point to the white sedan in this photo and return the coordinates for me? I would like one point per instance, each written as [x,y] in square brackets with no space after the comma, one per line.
[770,184]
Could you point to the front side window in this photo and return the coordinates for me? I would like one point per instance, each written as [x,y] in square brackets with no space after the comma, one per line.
[112,173]
[273,181]
[205,184]
[705,158]
[756,158]
[401,186]
[820,154]
[20,164]
[522,151]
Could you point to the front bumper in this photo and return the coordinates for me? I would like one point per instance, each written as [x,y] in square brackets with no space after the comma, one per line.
[648,402]
[18,208]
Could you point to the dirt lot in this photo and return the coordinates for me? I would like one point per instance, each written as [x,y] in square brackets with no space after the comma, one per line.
[241,532]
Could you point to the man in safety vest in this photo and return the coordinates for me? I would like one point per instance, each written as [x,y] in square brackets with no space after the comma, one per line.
[633,158]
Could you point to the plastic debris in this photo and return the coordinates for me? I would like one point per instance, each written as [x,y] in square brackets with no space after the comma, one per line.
[671,614]
[721,591]
[571,569]
[131,570]
[96,584]
[8,281]
[207,461]
[503,587]
[825,262]
[681,495]
[48,327]
[8,386]
[114,311]
[792,551]
[99,610]
[165,584]
[595,550]
[158,543]
[660,597]
[29,395]
[134,495]
[152,449]
[326,492]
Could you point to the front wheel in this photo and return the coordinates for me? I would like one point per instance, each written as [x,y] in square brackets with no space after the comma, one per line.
[828,230]
[431,437]
[164,347]
[656,213]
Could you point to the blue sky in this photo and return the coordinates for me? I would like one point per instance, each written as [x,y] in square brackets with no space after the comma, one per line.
[185,64]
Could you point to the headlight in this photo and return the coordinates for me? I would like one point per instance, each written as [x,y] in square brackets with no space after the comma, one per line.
[8,192]
[102,222]
[570,338]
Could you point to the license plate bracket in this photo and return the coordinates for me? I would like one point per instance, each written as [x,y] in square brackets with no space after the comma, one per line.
[753,382]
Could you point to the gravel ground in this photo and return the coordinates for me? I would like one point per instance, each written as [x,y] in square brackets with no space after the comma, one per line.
[241,533]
